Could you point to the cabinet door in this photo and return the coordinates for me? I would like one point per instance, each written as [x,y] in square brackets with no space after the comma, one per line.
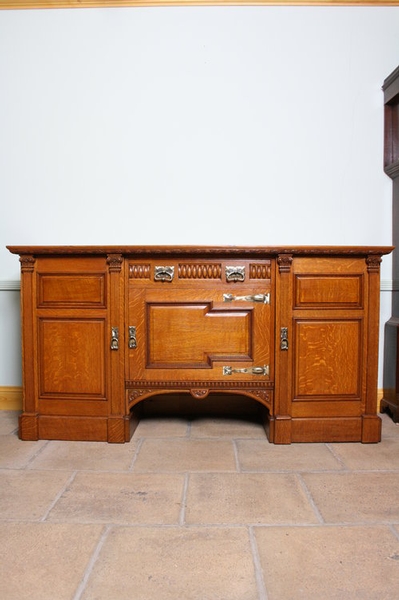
[73,380]
[321,388]
[328,335]
[72,330]
[200,332]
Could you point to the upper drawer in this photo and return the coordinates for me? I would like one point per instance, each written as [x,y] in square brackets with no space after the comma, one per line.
[186,272]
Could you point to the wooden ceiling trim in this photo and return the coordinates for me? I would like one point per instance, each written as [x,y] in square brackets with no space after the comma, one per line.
[40,4]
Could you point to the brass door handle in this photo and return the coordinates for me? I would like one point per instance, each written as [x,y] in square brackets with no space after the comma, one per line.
[284,338]
[132,338]
[114,338]
[264,298]
[250,371]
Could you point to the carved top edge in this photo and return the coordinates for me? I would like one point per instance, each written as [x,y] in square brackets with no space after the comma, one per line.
[205,251]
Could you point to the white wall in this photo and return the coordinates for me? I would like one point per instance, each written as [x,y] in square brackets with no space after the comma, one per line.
[217,125]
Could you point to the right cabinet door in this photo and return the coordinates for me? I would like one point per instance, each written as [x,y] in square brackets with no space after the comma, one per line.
[329,348]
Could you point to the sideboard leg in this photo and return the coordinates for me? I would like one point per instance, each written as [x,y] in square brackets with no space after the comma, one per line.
[371,429]
[280,430]
[134,420]
[117,430]
[28,427]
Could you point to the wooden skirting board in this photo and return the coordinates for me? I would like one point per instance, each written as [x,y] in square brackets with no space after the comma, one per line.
[10,398]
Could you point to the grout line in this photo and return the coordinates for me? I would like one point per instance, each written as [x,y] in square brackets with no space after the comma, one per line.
[36,454]
[237,461]
[394,531]
[310,498]
[330,447]
[58,496]
[182,515]
[259,574]
[200,525]
[91,563]
[135,455]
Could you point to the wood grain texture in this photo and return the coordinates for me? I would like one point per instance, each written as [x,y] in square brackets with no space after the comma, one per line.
[34,4]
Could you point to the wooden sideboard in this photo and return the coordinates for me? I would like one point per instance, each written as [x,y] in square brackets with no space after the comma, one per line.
[105,328]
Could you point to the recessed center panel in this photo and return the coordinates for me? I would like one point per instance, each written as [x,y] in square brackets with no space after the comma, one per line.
[192,335]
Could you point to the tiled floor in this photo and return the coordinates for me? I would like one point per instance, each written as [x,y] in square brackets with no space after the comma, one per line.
[202,509]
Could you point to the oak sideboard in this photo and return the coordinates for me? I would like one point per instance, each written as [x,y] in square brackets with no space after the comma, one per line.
[106,327]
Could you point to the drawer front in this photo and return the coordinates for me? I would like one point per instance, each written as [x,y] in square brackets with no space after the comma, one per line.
[185,273]
[199,334]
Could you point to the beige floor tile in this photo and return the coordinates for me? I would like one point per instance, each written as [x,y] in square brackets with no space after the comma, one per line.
[174,564]
[85,456]
[227,428]
[9,421]
[43,561]
[389,428]
[16,454]
[175,455]
[329,563]
[355,497]
[120,498]
[28,495]
[369,457]
[255,498]
[258,455]
[161,427]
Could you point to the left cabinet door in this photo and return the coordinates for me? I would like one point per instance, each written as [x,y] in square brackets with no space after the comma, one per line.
[68,363]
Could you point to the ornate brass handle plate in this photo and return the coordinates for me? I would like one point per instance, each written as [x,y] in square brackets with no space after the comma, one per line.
[235,273]
[132,338]
[114,338]
[264,298]
[250,371]
[164,273]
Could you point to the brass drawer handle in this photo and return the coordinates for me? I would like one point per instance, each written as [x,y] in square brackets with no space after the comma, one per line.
[264,298]
[250,371]
[235,273]
[164,273]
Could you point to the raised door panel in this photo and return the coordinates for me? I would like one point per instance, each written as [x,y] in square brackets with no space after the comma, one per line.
[86,290]
[328,359]
[71,358]
[329,291]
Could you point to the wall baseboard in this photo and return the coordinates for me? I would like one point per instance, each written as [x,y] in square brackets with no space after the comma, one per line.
[10,398]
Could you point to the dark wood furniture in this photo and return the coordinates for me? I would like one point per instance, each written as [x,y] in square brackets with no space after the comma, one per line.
[390,401]
[105,328]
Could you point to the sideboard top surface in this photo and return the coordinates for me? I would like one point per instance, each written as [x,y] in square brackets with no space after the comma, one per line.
[239,251]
